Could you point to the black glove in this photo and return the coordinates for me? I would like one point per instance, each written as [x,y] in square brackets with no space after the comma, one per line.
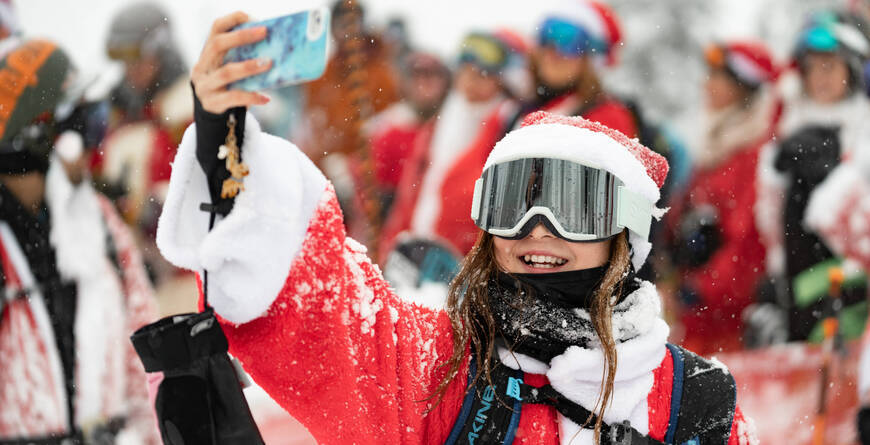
[200,399]
[864,425]
[698,237]
[810,154]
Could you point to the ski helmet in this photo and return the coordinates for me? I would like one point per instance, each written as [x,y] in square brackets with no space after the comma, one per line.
[836,32]
[485,51]
[36,78]
[138,30]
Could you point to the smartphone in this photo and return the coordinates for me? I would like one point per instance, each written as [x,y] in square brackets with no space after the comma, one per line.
[296,45]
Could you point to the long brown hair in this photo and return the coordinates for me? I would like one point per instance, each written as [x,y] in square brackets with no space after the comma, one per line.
[472,320]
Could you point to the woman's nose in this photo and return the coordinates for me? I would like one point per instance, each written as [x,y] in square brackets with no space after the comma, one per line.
[540,231]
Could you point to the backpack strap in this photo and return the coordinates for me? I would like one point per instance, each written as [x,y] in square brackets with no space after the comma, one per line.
[485,417]
[704,398]
[676,392]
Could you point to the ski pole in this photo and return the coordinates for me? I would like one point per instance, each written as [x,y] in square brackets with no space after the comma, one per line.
[830,327]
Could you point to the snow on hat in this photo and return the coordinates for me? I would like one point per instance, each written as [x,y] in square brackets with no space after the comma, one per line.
[749,62]
[598,19]
[547,135]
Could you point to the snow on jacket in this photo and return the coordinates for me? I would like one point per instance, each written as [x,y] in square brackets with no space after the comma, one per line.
[315,324]
[838,207]
[113,300]
[437,185]
[726,180]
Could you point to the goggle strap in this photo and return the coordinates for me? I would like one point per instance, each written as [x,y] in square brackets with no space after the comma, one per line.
[633,211]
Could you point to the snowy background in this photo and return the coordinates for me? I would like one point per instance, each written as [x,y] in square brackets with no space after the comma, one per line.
[660,61]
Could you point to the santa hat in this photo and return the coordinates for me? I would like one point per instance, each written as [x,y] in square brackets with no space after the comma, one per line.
[597,19]
[546,135]
[749,62]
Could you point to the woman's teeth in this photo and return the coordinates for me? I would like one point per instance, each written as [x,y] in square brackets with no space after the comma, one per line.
[544,261]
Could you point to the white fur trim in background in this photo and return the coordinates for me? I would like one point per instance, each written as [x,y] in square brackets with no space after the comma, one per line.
[78,234]
[248,253]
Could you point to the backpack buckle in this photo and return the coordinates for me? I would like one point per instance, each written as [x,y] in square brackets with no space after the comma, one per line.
[621,434]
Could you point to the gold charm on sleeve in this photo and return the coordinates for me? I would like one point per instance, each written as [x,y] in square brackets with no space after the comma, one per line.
[238,170]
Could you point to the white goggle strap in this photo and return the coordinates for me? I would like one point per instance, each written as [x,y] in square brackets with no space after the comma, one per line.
[475,201]
[633,211]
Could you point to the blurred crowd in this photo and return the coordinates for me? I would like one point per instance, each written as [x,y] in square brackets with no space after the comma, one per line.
[776,198]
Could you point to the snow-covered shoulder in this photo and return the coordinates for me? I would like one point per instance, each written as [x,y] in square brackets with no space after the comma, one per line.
[249,252]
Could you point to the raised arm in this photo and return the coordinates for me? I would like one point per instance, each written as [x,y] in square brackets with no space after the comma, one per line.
[306,312]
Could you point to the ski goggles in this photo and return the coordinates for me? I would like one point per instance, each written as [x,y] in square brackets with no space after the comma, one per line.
[569,39]
[483,51]
[574,201]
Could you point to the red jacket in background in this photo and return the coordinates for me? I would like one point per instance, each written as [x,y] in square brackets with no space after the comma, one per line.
[726,282]
[609,112]
[453,223]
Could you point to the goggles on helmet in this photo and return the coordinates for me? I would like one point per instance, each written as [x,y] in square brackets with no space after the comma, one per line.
[483,51]
[569,39]
[825,32]
[574,201]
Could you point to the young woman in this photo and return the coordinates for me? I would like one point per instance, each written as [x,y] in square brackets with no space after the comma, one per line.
[742,110]
[574,41]
[545,323]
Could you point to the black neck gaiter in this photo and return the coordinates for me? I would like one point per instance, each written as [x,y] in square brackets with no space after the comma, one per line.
[541,315]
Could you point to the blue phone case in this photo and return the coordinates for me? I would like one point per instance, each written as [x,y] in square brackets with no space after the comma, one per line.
[295,43]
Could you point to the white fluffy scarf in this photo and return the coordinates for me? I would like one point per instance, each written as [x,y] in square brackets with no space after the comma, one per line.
[640,334]
[736,128]
[78,235]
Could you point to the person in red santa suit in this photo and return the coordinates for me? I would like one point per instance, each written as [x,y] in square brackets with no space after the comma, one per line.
[74,287]
[425,83]
[545,326]
[574,41]
[438,179]
[713,223]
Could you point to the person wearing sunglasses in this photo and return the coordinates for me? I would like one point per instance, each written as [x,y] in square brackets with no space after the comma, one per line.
[547,336]
[713,220]
[573,42]
[438,178]
[823,133]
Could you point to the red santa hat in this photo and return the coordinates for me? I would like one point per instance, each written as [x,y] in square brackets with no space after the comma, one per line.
[546,135]
[598,19]
[749,62]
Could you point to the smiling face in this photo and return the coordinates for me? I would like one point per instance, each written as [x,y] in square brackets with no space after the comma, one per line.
[544,252]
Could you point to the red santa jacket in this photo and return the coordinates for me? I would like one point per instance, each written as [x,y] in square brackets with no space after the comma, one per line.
[726,181]
[726,282]
[315,324]
[112,300]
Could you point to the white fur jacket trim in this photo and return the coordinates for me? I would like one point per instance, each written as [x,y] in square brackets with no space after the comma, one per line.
[251,250]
